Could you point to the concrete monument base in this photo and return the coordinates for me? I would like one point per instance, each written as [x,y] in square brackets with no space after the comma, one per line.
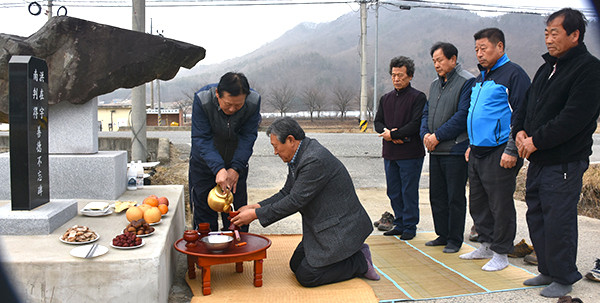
[102,175]
[41,220]
[43,269]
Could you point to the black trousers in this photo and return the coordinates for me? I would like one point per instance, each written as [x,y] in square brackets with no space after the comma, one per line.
[200,185]
[491,202]
[308,276]
[552,195]
[447,181]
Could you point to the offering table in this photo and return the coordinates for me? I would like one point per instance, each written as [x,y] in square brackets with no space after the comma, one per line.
[255,250]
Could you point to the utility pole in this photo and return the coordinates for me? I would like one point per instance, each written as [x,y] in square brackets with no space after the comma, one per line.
[158,95]
[376,59]
[49,11]
[363,65]
[151,82]
[138,94]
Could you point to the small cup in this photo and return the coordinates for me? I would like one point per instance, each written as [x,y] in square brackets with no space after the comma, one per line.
[203,229]
[190,236]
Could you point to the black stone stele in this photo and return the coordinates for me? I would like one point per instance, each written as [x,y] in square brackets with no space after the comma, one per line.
[28,99]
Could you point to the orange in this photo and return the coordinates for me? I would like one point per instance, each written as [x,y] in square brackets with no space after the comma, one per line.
[144,207]
[163,200]
[152,215]
[152,201]
[163,208]
[134,213]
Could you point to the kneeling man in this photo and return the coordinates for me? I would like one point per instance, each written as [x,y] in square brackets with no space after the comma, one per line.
[334,223]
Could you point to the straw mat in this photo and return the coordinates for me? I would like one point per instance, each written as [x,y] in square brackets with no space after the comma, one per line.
[279,283]
[410,270]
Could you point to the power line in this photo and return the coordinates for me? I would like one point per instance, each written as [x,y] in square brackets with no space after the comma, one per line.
[402,4]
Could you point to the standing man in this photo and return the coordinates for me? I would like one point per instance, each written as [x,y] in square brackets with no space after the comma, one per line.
[492,155]
[224,127]
[397,120]
[553,129]
[334,223]
[444,133]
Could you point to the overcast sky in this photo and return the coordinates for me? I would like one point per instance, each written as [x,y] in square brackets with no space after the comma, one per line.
[225,32]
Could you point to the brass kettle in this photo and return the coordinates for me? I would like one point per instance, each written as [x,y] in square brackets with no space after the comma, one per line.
[218,200]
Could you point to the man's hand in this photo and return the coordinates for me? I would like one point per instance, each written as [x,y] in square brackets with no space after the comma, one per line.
[245,217]
[467,153]
[387,134]
[249,206]
[508,161]
[232,179]
[526,148]
[519,138]
[221,179]
[430,141]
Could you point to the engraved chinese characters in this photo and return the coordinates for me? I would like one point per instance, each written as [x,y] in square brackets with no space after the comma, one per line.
[28,77]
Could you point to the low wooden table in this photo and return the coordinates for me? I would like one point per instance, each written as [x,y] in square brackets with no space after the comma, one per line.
[255,250]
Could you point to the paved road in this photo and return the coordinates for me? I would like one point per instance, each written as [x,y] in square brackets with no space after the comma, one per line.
[360,152]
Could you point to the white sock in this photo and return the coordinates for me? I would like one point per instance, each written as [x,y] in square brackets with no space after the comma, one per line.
[483,252]
[498,262]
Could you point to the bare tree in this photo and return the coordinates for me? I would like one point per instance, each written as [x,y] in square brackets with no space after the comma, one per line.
[313,99]
[342,99]
[186,104]
[281,98]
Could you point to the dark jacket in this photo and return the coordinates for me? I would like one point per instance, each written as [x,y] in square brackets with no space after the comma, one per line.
[334,223]
[445,113]
[220,140]
[403,110]
[494,97]
[560,113]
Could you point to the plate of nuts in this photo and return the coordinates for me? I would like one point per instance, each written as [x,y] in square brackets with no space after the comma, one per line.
[79,234]
[140,228]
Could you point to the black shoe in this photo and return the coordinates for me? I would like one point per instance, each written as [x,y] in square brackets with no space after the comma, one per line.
[451,248]
[437,242]
[393,232]
[407,236]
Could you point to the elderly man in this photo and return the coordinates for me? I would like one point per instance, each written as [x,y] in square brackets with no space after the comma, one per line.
[397,121]
[553,129]
[224,127]
[444,133]
[334,223]
[492,155]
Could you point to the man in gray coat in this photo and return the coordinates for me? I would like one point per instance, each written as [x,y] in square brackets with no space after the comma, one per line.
[334,223]
[444,133]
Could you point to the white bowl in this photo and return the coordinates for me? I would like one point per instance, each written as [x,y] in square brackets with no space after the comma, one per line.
[217,242]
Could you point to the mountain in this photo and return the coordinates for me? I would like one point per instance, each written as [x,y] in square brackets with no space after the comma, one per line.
[326,55]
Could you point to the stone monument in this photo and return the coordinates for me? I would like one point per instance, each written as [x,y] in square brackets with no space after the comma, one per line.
[29,175]
[79,70]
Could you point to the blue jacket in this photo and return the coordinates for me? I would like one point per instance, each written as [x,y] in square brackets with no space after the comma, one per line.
[220,140]
[494,97]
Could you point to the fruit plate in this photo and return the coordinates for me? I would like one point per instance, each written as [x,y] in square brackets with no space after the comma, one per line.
[79,243]
[142,236]
[81,251]
[129,247]
[155,223]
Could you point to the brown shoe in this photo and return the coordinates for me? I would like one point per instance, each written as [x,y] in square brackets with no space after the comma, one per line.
[387,223]
[473,235]
[521,250]
[531,258]
[568,299]
[383,216]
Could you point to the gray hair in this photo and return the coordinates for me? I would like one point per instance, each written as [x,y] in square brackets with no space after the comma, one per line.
[284,127]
